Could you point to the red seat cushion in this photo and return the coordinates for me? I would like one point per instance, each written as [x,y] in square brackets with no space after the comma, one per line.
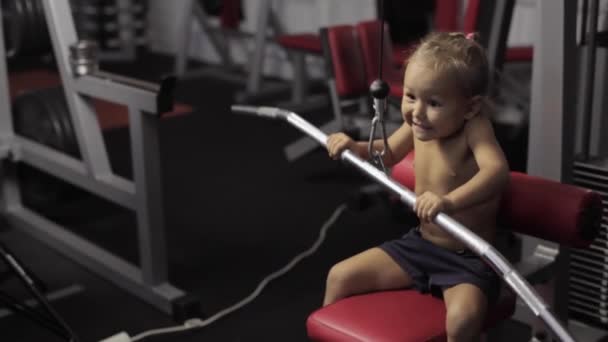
[304,41]
[402,315]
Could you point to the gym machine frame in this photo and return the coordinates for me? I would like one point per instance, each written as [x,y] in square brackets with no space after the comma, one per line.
[145,102]
[479,246]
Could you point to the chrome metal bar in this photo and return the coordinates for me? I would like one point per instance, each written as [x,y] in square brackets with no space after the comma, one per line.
[500,264]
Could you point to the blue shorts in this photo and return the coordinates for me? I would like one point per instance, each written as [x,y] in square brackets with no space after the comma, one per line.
[434,269]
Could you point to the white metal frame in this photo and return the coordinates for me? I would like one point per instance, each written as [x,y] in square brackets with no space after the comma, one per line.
[93,173]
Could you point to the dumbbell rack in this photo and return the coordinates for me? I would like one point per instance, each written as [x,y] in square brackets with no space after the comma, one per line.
[118,26]
[145,102]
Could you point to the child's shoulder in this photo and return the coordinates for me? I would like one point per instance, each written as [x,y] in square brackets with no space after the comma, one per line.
[478,123]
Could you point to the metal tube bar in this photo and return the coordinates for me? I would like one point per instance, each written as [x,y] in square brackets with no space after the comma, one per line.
[589,78]
[518,283]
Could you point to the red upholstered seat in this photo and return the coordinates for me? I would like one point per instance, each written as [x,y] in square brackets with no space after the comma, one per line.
[383,317]
[557,212]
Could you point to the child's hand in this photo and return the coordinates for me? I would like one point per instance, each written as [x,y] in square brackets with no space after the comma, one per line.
[428,205]
[338,142]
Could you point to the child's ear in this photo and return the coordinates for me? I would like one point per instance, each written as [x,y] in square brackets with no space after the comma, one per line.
[475,104]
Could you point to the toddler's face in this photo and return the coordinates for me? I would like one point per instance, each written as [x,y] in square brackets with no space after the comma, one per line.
[433,103]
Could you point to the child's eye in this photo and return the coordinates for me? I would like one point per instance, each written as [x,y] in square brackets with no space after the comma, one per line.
[434,103]
[410,96]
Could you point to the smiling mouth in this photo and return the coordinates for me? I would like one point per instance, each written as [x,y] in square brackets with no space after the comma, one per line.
[421,126]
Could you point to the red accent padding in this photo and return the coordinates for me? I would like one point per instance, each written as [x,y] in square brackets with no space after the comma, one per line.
[23,81]
[519,54]
[114,115]
[110,115]
[550,210]
[307,42]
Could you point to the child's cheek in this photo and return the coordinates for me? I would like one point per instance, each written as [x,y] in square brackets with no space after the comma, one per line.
[407,116]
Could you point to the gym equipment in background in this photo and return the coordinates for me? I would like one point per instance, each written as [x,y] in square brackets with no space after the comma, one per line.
[25,28]
[268,29]
[55,154]
[118,26]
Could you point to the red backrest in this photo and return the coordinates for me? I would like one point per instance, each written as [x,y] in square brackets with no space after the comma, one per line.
[471,16]
[343,53]
[562,213]
[446,15]
[369,34]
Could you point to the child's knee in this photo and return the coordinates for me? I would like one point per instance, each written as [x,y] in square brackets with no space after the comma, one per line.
[338,276]
[464,322]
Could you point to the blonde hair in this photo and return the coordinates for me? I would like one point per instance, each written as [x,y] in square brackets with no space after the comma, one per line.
[457,53]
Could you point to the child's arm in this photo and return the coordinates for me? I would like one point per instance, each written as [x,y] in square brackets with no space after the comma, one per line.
[400,143]
[493,171]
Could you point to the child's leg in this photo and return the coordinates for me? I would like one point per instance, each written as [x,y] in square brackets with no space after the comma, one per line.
[371,270]
[466,307]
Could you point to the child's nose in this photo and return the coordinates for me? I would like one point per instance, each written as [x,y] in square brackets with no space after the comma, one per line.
[418,111]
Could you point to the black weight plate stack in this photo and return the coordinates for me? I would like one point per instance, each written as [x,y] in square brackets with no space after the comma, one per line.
[43,116]
[25,28]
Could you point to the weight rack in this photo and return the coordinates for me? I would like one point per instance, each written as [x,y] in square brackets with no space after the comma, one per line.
[118,26]
[145,102]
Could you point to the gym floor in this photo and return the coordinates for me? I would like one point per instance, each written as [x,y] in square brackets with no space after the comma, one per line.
[235,210]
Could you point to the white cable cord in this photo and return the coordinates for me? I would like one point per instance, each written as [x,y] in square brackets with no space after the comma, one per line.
[198,323]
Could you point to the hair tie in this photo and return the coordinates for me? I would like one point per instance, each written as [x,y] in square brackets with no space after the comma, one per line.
[470,36]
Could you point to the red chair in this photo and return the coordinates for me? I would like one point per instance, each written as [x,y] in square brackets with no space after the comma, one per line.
[542,208]
[346,82]
[369,36]
[394,56]
[298,46]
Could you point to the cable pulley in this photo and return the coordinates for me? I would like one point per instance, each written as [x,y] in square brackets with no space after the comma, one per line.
[379,90]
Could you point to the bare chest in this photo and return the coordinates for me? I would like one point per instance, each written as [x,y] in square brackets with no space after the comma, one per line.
[440,168]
